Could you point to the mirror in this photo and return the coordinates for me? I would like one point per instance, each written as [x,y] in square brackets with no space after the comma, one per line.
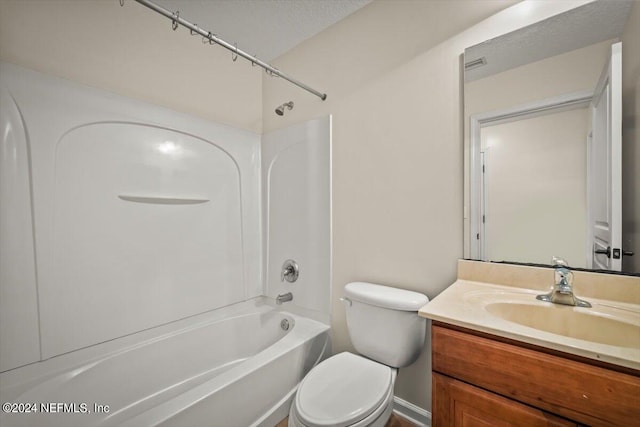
[539,110]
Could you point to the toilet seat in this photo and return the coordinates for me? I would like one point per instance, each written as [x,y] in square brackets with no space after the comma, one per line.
[342,391]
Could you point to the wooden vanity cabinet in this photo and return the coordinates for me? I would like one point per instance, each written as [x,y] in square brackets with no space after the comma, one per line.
[482,380]
[460,404]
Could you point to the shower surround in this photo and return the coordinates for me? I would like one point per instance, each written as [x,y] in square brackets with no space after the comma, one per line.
[123,222]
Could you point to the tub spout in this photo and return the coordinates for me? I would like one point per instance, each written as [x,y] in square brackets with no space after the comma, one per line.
[284,298]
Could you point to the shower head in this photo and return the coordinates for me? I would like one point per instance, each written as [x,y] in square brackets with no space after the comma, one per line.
[280,109]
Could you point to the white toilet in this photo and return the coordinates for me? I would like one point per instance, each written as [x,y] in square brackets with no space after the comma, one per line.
[353,390]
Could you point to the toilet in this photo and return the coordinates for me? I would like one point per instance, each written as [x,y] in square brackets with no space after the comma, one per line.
[356,390]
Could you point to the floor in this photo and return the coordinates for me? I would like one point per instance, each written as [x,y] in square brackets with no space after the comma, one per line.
[394,421]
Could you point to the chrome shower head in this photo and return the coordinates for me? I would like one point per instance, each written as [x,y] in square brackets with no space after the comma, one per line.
[280,109]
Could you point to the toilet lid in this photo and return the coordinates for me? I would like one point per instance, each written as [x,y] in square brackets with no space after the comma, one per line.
[342,390]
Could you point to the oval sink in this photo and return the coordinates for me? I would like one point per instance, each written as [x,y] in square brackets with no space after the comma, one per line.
[569,322]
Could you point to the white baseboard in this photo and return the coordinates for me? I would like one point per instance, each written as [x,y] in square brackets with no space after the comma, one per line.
[415,414]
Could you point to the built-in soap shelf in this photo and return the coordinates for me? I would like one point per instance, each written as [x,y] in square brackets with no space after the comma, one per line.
[156,200]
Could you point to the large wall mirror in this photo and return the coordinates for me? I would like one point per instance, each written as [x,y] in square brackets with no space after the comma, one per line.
[543,135]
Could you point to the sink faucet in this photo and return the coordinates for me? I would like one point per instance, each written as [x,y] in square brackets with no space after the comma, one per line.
[284,298]
[562,291]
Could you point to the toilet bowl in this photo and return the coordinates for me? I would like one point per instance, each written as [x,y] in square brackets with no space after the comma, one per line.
[351,390]
[345,390]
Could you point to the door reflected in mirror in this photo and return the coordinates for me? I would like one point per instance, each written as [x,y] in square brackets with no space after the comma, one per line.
[543,113]
[547,191]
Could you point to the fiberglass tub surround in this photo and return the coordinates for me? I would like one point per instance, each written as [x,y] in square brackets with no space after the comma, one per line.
[150,294]
[99,254]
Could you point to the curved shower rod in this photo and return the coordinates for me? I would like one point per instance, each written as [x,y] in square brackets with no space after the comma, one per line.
[272,71]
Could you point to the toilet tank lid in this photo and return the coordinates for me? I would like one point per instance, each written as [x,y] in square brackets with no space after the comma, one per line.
[385,296]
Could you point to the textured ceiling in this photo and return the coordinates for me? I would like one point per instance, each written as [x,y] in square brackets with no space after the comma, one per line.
[585,25]
[264,28]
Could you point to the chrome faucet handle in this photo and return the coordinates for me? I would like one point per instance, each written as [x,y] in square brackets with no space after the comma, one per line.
[559,262]
[290,271]
[286,271]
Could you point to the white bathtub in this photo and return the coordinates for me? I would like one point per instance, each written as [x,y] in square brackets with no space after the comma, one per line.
[234,367]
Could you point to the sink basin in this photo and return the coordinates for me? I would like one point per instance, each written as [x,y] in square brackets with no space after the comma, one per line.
[609,331]
[579,323]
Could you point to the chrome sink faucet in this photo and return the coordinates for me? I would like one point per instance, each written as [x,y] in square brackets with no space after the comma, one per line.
[562,291]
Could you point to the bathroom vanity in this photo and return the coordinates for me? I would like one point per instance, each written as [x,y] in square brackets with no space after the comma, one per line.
[482,378]
[501,357]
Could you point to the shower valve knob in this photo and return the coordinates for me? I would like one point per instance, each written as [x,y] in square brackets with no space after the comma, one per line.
[290,271]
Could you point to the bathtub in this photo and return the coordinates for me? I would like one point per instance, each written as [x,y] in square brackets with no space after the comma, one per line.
[235,367]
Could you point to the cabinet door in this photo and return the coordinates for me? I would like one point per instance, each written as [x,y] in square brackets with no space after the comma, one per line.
[593,395]
[458,404]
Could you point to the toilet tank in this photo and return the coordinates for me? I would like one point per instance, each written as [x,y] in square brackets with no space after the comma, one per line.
[383,322]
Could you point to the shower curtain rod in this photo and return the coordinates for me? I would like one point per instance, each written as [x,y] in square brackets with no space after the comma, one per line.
[176,19]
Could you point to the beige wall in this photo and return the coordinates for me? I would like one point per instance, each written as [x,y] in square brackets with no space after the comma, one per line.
[631,139]
[392,72]
[131,51]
